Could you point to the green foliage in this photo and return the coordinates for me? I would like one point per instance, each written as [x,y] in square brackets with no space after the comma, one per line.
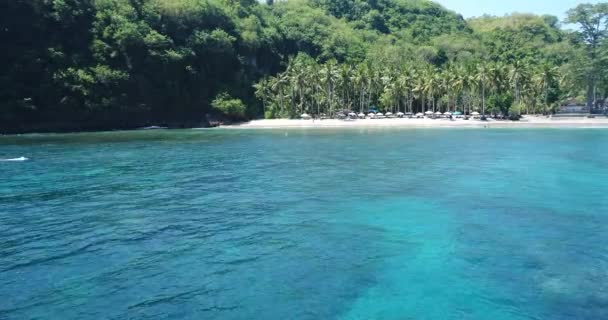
[500,103]
[230,107]
[328,88]
[517,109]
[593,22]
[125,63]
[516,37]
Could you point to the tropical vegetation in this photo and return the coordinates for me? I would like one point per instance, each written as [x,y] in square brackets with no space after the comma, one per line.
[100,64]
[307,86]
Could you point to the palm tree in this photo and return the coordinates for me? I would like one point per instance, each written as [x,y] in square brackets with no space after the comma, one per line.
[519,78]
[262,91]
[448,81]
[405,88]
[546,75]
[329,73]
[458,84]
[278,86]
[419,90]
[357,82]
[482,80]
[497,77]
[306,85]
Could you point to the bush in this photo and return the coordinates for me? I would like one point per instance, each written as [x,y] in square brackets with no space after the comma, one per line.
[500,103]
[515,111]
[230,107]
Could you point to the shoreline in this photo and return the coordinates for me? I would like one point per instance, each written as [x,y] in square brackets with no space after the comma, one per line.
[527,123]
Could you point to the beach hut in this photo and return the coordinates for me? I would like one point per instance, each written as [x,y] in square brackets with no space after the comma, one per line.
[305,116]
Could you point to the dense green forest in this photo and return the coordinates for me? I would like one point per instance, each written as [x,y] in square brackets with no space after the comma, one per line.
[102,64]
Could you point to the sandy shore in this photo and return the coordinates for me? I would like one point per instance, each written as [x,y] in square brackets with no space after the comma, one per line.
[526,122]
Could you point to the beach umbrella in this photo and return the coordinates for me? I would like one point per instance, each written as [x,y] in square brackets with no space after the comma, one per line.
[419,114]
[457,113]
[475,113]
[438,113]
[400,114]
[388,114]
[429,112]
[379,114]
[371,115]
[352,114]
[305,116]
[447,113]
[361,115]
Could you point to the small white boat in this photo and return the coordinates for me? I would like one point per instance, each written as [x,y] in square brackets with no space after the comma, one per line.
[15,159]
[153,128]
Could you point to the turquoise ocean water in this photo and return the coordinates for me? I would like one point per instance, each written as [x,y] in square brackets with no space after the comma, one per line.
[295,224]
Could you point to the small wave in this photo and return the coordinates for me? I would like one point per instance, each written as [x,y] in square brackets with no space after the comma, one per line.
[15,159]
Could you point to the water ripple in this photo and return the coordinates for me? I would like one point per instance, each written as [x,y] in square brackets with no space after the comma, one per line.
[418,224]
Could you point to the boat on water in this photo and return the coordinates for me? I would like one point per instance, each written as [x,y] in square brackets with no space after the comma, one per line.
[153,128]
[15,159]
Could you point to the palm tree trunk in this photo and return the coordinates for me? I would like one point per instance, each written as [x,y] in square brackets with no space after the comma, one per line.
[423,106]
[483,99]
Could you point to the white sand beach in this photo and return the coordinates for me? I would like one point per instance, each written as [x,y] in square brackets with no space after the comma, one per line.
[526,122]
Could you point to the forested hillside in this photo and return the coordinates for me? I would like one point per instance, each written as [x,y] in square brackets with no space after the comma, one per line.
[103,64]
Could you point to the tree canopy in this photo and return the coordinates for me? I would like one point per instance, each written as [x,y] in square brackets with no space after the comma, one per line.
[100,64]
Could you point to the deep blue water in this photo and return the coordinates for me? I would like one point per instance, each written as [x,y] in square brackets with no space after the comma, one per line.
[348,224]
